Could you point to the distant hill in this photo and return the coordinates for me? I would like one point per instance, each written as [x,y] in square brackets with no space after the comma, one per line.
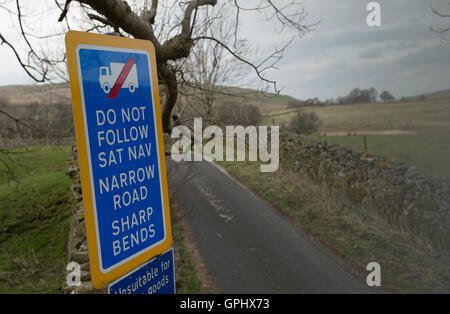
[60,94]
[433,95]
[416,115]
[40,94]
[266,102]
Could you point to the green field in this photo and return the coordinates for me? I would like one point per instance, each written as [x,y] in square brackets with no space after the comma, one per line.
[416,132]
[34,221]
[430,153]
[411,117]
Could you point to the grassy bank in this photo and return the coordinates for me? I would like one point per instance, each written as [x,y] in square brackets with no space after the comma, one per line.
[186,276]
[34,225]
[34,221]
[428,152]
[408,264]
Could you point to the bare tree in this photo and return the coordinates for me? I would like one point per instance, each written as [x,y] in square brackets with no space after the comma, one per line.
[172,26]
[387,96]
[244,114]
[373,94]
[443,30]
[209,66]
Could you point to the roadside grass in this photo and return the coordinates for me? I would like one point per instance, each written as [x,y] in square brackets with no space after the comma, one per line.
[34,221]
[408,264]
[186,276]
[428,152]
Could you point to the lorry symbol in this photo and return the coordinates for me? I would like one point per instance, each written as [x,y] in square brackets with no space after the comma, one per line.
[108,78]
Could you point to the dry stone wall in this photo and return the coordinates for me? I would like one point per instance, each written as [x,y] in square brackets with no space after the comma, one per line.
[77,242]
[402,195]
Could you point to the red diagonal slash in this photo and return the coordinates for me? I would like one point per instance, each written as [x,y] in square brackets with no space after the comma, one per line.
[122,77]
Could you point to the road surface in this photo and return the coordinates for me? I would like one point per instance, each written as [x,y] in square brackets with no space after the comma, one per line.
[247,246]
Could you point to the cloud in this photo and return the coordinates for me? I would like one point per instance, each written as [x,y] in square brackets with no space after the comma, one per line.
[402,56]
[370,53]
[434,55]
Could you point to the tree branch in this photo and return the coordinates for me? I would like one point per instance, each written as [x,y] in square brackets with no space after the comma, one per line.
[152,12]
[64,11]
[438,13]
[194,4]
[169,79]
[256,68]
[441,30]
[104,21]
[23,65]
[179,46]
[119,13]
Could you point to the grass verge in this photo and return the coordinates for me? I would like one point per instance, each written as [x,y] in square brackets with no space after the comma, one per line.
[408,264]
[34,221]
[186,277]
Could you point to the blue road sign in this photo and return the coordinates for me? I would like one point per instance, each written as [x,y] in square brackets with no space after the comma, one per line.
[123,152]
[154,277]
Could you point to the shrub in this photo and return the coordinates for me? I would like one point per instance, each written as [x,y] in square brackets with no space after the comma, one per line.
[305,122]
[232,114]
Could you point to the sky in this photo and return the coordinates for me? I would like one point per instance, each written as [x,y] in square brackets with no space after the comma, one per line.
[341,52]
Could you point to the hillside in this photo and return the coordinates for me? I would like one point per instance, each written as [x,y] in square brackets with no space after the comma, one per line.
[60,93]
[410,117]
[442,94]
[39,94]
[418,114]
[266,102]
[272,106]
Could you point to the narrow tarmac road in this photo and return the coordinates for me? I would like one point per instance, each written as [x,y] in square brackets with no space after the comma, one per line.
[247,246]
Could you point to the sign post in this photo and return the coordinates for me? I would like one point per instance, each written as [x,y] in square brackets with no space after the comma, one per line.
[118,127]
